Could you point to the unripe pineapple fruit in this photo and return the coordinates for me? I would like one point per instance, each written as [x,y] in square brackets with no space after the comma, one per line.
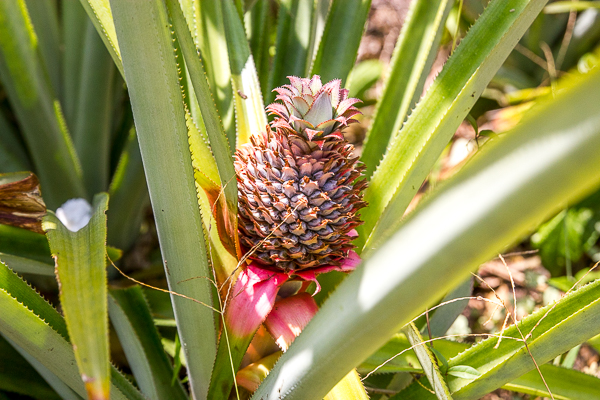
[299,188]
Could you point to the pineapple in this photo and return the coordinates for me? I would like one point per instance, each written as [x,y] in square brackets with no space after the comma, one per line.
[299,186]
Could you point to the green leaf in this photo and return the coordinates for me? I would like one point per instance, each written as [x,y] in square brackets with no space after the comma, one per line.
[81,272]
[74,21]
[505,190]
[428,362]
[208,32]
[132,320]
[223,203]
[565,384]
[574,319]
[61,388]
[129,196]
[464,371]
[39,331]
[416,148]
[13,157]
[249,108]
[260,25]
[18,376]
[37,110]
[44,17]
[339,44]
[566,6]
[565,238]
[394,356]
[411,62]
[214,128]
[146,44]
[26,266]
[294,28]
[23,243]
[93,116]
[441,319]
[362,77]
[100,14]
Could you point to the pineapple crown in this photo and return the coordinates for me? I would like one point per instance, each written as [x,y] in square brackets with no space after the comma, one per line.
[312,110]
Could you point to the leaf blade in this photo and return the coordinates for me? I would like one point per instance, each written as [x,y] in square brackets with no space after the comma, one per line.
[412,59]
[414,151]
[146,44]
[81,272]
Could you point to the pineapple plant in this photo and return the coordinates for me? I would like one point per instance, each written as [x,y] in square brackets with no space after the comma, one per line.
[299,185]
[182,123]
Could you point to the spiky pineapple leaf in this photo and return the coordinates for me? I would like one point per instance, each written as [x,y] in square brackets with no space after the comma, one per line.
[205,22]
[92,120]
[101,15]
[28,321]
[415,149]
[147,49]
[567,384]
[81,272]
[428,361]
[129,196]
[338,47]
[561,326]
[210,116]
[44,16]
[411,62]
[395,356]
[73,22]
[38,111]
[294,29]
[62,389]
[131,317]
[13,157]
[503,193]
[260,23]
[26,266]
[249,108]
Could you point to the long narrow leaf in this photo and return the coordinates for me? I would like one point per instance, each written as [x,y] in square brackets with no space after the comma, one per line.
[572,321]
[146,45]
[13,157]
[502,194]
[412,59]
[214,128]
[566,383]
[28,321]
[428,363]
[26,266]
[293,39]
[560,327]
[44,17]
[259,28]
[101,15]
[60,387]
[92,122]
[74,21]
[18,376]
[431,125]
[129,196]
[81,272]
[35,106]
[132,320]
[249,108]
[339,45]
[209,35]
